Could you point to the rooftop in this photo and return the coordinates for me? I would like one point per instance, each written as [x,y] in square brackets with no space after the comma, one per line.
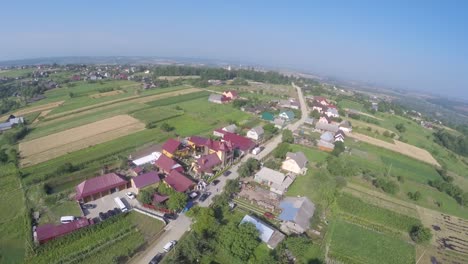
[98,184]
[146,179]
[178,181]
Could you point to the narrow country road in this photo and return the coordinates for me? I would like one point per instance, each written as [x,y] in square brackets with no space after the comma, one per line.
[175,229]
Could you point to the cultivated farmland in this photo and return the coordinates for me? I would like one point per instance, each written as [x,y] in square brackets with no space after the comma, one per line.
[55,145]
[38,108]
[398,146]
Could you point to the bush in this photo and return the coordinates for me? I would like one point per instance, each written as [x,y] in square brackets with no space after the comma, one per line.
[166,127]
[416,196]
[281,150]
[420,234]
[387,186]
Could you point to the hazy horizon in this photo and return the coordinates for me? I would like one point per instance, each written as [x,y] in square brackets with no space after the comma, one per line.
[416,46]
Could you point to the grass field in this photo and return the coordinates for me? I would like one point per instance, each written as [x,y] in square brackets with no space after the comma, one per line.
[54,145]
[354,244]
[313,154]
[13,219]
[351,105]
[15,73]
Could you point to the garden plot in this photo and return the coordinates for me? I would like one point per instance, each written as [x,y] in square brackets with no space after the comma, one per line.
[55,145]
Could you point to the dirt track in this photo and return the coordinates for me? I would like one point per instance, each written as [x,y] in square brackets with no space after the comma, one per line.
[54,145]
[400,147]
[42,114]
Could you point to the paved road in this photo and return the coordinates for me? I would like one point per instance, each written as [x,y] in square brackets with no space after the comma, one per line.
[175,229]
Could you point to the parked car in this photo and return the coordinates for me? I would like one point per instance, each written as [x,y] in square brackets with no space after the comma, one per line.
[226,173]
[103,216]
[215,182]
[257,150]
[204,196]
[169,245]
[269,215]
[110,213]
[130,195]
[67,219]
[170,216]
[89,206]
[193,195]
[156,259]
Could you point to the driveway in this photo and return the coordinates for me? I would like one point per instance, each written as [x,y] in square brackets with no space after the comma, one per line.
[175,229]
[107,203]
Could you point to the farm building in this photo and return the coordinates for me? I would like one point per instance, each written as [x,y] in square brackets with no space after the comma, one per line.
[178,181]
[296,214]
[144,180]
[268,235]
[149,159]
[218,99]
[295,162]
[48,232]
[325,146]
[97,187]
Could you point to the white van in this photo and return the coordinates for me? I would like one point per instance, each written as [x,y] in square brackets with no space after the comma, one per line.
[169,245]
[67,219]
[121,205]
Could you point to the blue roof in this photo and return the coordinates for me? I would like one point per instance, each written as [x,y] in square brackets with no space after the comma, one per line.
[290,114]
[265,231]
[289,211]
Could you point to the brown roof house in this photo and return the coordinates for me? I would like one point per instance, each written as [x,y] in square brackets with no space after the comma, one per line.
[144,180]
[178,181]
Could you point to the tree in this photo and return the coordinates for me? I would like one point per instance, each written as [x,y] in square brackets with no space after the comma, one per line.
[240,240]
[166,127]
[3,156]
[177,201]
[420,234]
[246,169]
[400,127]
[145,196]
[232,186]
[272,164]
[315,114]
[71,94]
[341,166]
[339,148]
[287,136]
[281,150]
[416,196]
[205,221]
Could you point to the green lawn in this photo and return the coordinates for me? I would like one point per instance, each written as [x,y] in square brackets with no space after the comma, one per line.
[345,103]
[312,154]
[353,244]
[317,185]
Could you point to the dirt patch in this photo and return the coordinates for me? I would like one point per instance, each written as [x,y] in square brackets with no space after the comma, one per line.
[54,145]
[34,109]
[99,95]
[42,114]
[398,146]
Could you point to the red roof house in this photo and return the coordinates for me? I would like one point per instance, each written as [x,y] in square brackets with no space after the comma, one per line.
[48,232]
[166,164]
[170,147]
[237,141]
[178,181]
[145,179]
[97,187]
[159,198]
[231,94]
[197,141]
[206,163]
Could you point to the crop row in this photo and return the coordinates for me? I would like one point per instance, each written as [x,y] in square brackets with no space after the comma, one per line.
[355,206]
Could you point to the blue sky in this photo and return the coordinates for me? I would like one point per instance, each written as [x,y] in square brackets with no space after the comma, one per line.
[420,45]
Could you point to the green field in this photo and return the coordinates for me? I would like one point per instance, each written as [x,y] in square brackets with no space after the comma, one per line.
[14,225]
[375,215]
[354,244]
[345,103]
[15,73]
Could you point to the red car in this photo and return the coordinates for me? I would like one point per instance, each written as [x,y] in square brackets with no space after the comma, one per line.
[269,215]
